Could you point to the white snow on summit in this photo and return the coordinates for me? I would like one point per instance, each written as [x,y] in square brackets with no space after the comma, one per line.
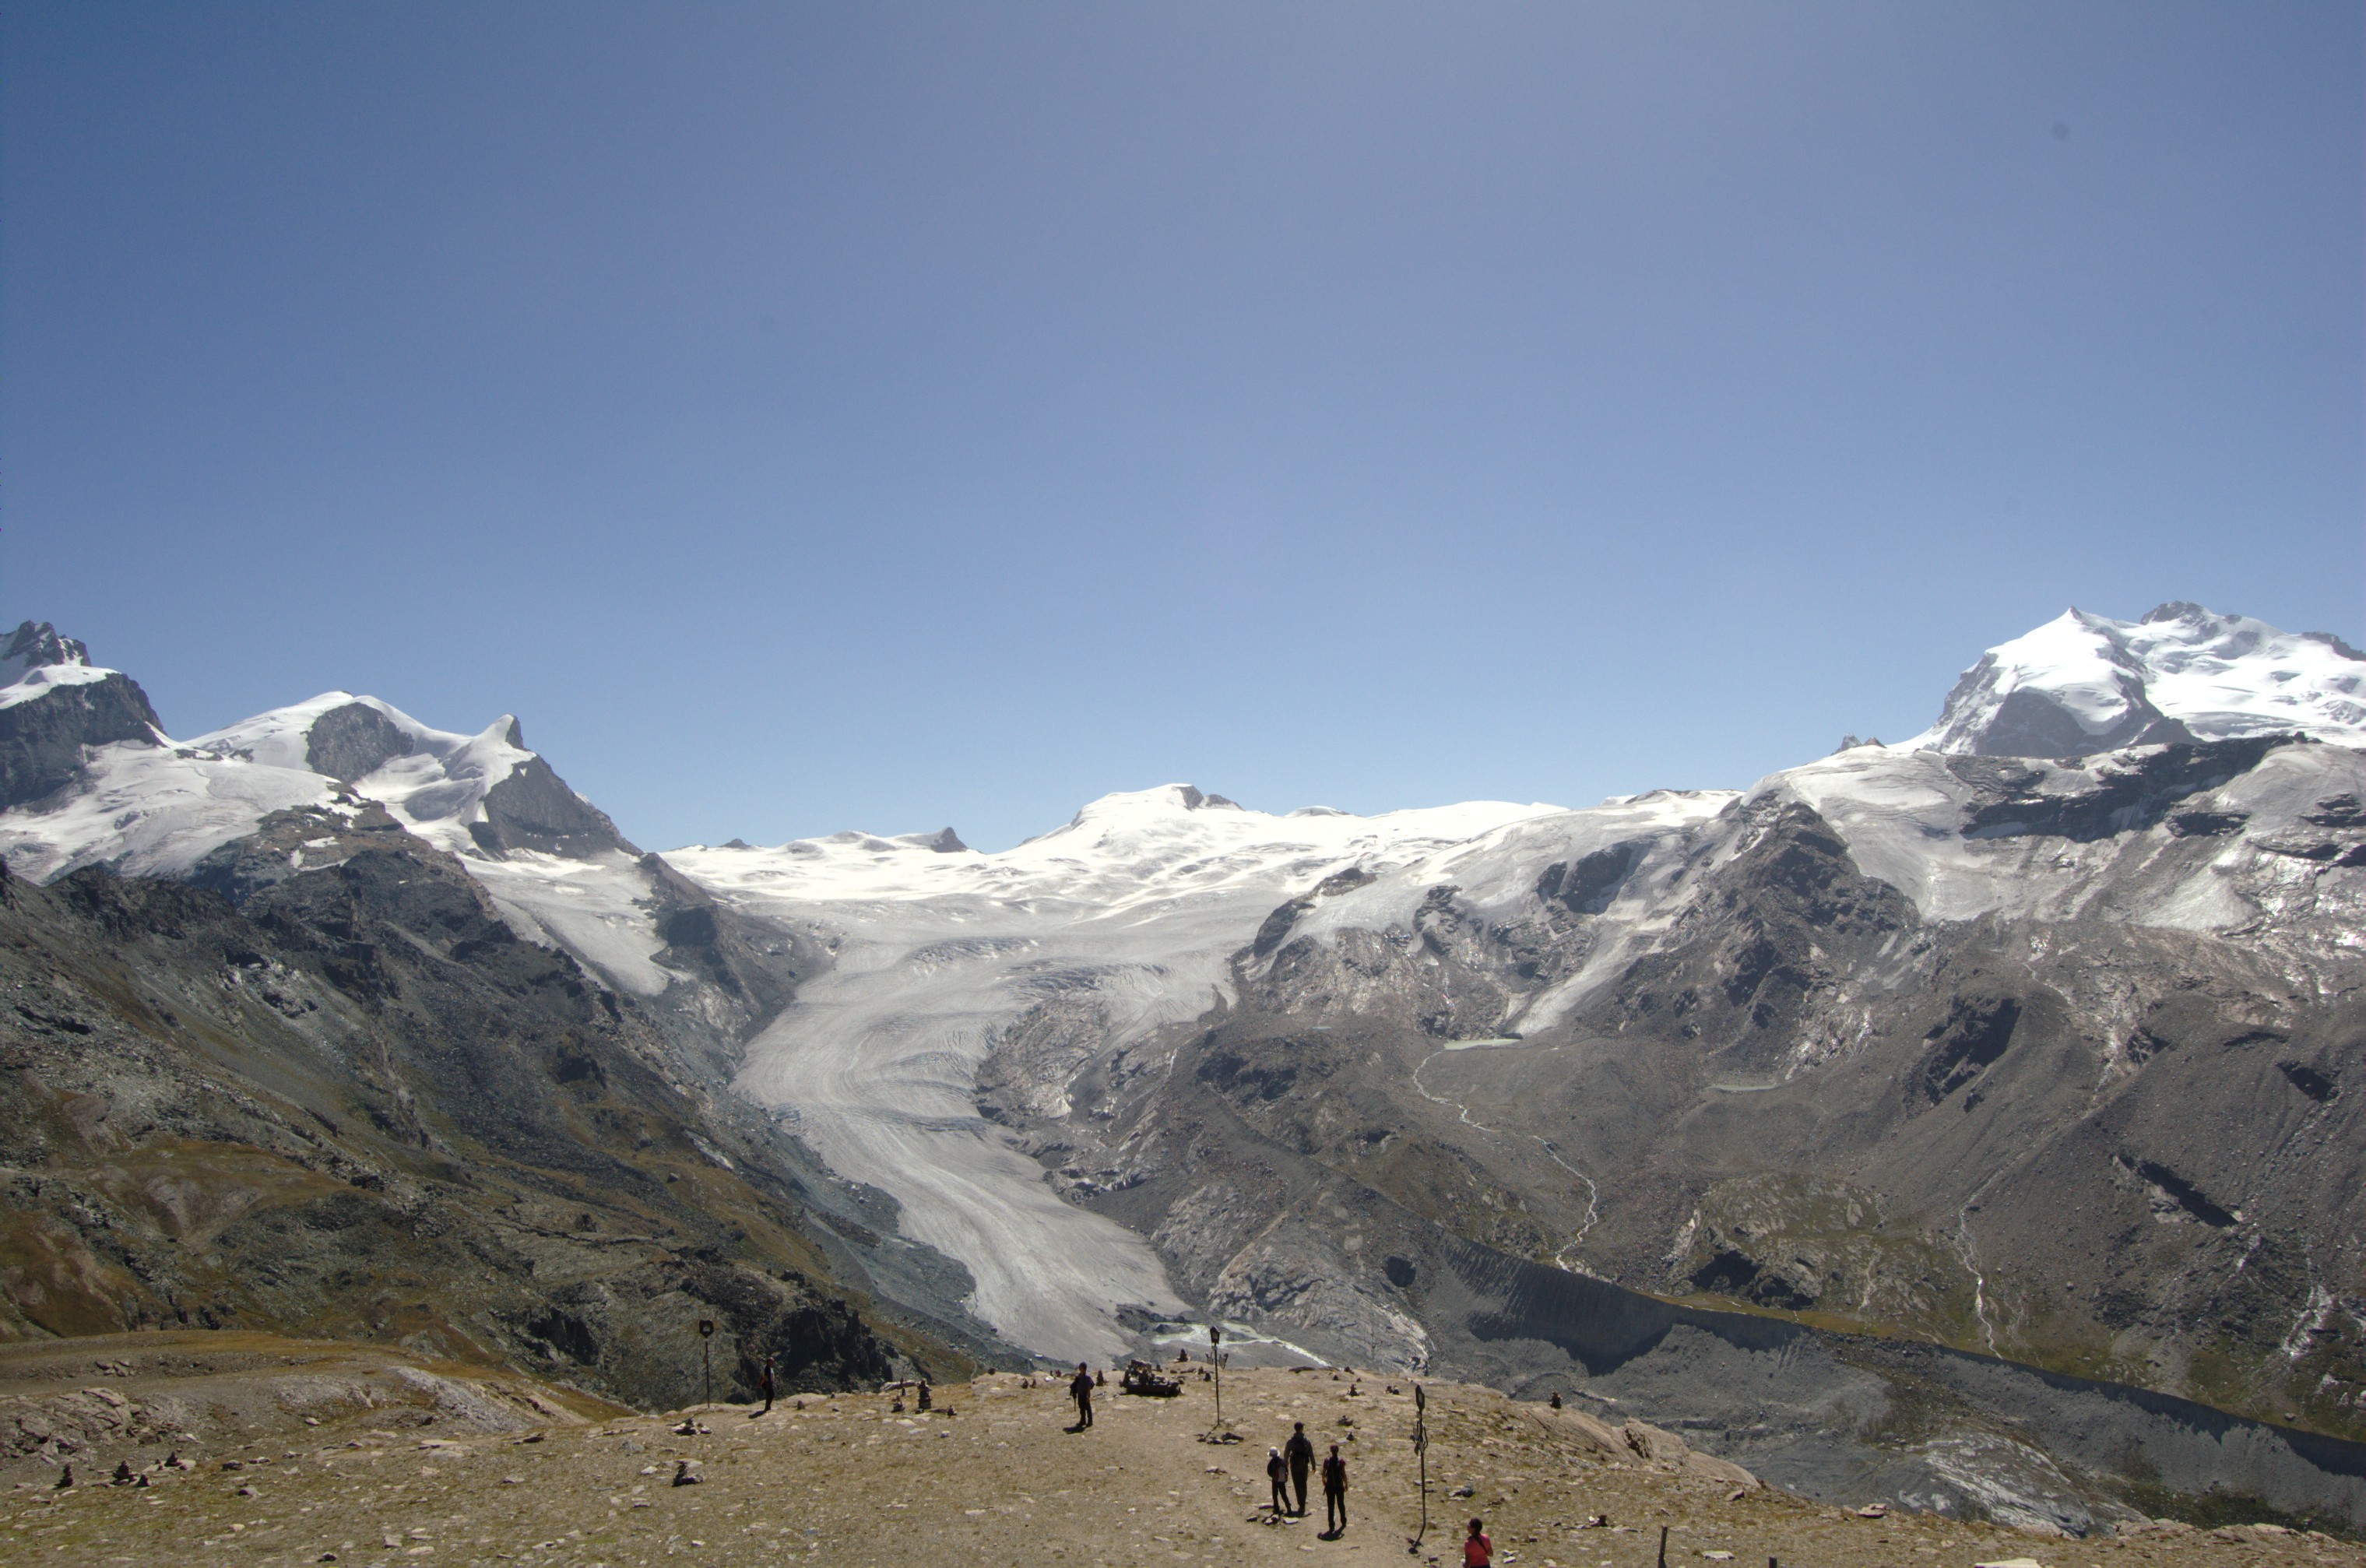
[37,660]
[2084,682]
[1126,917]
[157,810]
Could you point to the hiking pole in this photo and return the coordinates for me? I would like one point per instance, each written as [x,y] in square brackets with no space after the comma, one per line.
[1421,1446]
[1216,1338]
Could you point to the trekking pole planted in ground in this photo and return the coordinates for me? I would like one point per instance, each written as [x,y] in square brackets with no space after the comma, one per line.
[1420,1448]
[706,1357]
[1216,1338]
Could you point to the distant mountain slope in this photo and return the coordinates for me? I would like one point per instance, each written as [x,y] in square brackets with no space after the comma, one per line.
[359,1107]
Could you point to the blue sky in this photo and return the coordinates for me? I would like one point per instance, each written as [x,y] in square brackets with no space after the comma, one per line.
[818,416]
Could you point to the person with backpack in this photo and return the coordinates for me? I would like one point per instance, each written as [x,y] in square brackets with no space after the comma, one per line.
[1335,1495]
[1273,1473]
[1478,1550]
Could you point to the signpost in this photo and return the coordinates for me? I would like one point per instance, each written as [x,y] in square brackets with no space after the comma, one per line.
[706,1354]
[1421,1446]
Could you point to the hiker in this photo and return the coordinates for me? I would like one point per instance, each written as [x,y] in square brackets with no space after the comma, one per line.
[1300,1455]
[1334,1494]
[1478,1551]
[1080,1389]
[1273,1473]
[767,1384]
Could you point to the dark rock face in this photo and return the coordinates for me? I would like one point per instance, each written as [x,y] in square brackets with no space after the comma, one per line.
[2029,724]
[534,810]
[349,742]
[41,739]
[1787,919]
[754,968]
[1735,1273]
[355,1105]
[1963,1044]
[1586,887]
[2130,798]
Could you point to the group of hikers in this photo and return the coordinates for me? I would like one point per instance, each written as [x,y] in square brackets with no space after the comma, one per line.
[1294,1462]
[1287,1467]
[1296,1458]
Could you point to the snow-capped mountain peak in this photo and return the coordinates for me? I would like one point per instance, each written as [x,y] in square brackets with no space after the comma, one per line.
[152,806]
[54,703]
[35,661]
[34,644]
[2083,683]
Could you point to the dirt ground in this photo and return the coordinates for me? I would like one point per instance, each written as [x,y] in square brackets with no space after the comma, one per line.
[993,1475]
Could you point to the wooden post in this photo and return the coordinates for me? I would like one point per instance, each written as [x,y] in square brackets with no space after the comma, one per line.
[1421,1446]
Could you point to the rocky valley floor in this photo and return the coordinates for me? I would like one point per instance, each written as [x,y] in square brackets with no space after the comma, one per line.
[991,1476]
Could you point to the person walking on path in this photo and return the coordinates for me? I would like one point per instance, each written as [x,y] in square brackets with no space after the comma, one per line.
[767,1385]
[1273,1473]
[1478,1550]
[1300,1455]
[1080,1389]
[1334,1494]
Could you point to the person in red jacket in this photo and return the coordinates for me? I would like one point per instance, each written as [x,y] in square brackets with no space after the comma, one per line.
[1478,1551]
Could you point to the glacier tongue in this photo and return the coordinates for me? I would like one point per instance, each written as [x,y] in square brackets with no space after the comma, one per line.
[1134,908]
